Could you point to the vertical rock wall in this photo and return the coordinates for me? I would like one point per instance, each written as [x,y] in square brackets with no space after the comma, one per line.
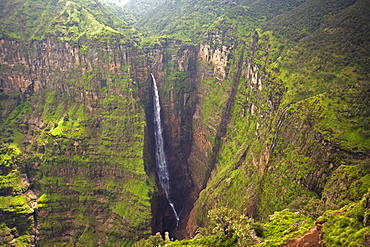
[174,67]
[81,139]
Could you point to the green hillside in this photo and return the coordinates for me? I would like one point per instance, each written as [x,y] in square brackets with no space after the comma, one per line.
[265,110]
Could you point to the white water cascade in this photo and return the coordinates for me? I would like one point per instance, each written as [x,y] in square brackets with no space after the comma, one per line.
[160,157]
[277,129]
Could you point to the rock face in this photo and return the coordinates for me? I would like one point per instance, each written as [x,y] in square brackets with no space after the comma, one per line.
[77,134]
[218,57]
[43,64]
[309,239]
[175,73]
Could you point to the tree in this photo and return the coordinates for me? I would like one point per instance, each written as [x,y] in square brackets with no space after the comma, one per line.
[230,224]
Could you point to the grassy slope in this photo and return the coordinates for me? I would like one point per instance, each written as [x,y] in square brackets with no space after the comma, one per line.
[25,19]
[183,19]
[139,8]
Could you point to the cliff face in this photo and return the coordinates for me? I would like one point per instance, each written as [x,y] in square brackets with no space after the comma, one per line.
[259,140]
[81,141]
[173,63]
[73,137]
[42,64]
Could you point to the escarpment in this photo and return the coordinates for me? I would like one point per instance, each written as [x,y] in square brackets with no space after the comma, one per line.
[255,117]
[82,137]
[42,64]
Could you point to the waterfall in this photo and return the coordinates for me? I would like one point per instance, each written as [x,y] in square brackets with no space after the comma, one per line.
[277,129]
[160,157]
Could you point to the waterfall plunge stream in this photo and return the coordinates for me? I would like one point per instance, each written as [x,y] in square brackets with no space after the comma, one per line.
[160,157]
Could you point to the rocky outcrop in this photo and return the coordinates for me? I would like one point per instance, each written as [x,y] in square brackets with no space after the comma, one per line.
[217,56]
[312,238]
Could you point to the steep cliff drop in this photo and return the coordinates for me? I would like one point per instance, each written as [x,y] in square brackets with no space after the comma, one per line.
[277,129]
[160,157]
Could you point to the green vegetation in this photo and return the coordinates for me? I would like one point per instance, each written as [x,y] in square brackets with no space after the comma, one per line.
[227,228]
[319,97]
[348,226]
[80,169]
[347,183]
[104,162]
[268,101]
[68,20]
[285,225]
[184,20]
[15,199]
[297,131]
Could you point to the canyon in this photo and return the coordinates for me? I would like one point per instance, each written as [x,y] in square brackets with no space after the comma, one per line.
[255,113]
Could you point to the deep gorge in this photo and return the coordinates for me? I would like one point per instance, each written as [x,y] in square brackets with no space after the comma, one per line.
[177,110]
[264,110]
[162,167]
